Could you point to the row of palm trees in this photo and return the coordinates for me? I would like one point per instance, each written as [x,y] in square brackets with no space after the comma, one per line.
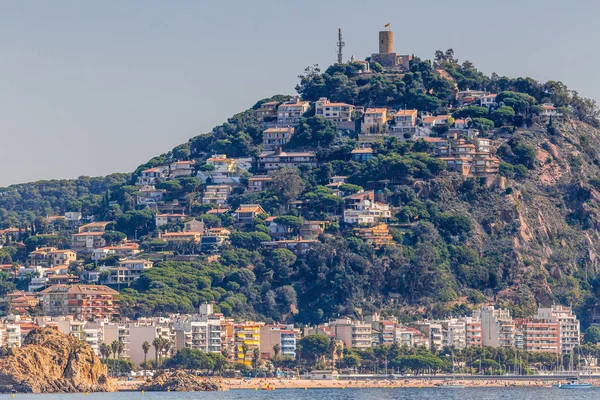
[116,348]
[161,345]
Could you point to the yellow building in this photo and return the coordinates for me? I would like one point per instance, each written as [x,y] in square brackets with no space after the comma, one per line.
[247,333]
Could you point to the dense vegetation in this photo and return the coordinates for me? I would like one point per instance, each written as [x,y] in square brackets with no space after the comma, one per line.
[527,239]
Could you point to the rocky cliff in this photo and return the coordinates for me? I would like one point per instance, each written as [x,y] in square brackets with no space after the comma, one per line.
[52,362]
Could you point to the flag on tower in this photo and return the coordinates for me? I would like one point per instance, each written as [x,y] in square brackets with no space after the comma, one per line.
[387,25]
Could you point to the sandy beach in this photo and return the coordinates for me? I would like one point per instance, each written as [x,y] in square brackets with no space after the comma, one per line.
[274,384]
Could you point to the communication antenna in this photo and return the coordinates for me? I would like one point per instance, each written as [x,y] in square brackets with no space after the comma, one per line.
[340,46]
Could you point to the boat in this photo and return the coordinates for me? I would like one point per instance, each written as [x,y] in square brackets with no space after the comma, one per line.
[574,383]
[451,384]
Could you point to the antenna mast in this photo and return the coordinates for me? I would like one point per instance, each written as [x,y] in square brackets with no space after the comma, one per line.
[340,46]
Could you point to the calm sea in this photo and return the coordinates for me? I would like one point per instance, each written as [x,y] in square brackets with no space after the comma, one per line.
[348,394]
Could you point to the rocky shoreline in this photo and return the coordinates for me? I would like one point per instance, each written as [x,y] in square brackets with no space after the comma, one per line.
[181,381]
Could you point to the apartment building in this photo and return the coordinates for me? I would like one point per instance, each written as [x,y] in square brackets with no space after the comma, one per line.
[84,302]
[568,325]
[248,334]
[497,327]
[283,336]
[353,334]
[433,333]
[539,334]
[133,335]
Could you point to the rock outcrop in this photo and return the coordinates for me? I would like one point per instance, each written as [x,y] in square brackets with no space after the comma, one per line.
[52,362]
[180,381]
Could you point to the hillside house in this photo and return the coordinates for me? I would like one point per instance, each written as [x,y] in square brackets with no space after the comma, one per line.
[94,227]
[548,110]
[405,120]
[269,161]
[177,238]
[164,219]
[224,168]
[277,136]
[127,249]
[258,183]
[214,238]
[246,213]
[377,236]
[488,100]
[362,155]
[290,112]
[149,195]
[194,226]
[152,176]
[127,271]
[312,229]
[435,120]
[296,246]
[51,257]
[267,111]
[182,168]
[336,112]
[374,120]
[87,241]
[362,209]
[216,194]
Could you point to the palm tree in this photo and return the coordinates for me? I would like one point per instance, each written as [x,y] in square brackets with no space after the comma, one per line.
[255,358]
[104,350]
[276,349]
[244,350]
[339,351]
[145,349]
[120,350]
[157,344]
[166,346]
[114,346]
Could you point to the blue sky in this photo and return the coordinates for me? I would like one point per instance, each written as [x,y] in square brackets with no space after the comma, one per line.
[91,88]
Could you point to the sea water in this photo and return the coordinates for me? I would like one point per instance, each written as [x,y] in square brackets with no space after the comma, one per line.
[338,394]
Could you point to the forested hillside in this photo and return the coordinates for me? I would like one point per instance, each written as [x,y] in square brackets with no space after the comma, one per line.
[528,236]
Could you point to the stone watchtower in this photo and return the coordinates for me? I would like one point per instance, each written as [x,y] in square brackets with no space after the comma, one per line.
[386,42]
[386,56]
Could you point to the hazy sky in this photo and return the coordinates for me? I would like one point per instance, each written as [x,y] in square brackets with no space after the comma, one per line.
[90,88]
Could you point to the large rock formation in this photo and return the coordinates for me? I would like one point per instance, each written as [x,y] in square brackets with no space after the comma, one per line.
[52,362]
[180,381]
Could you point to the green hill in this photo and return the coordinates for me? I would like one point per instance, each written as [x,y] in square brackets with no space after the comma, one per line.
[528,236]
